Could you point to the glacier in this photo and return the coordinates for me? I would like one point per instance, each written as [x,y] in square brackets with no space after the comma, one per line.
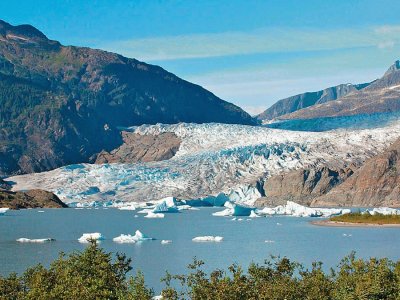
[215,163]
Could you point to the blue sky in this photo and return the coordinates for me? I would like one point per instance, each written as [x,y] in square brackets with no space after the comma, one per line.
[251,53]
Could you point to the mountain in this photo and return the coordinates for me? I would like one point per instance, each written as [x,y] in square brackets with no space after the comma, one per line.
[375,183]
[300,101]
[63,104]
[382,95]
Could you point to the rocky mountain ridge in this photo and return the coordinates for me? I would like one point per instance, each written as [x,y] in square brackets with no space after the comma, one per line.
[300,101]
[62,104]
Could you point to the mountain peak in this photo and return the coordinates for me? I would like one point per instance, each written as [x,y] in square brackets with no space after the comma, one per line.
[393,68]
[23,33]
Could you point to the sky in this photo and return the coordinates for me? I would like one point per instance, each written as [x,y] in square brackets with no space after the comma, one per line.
[251,53]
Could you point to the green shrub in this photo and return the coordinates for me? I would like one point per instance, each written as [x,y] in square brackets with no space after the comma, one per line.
[93,274]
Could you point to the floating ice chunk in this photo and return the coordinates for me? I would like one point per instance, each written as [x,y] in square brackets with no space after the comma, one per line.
[269,241]
[128,207]
[233,209]
[86,237]
[208,238]
[40,211]
[152,215]
[167,205]
[26,240]
[164,242]
[3,210]
[224,213]
[136,216]
[297,210]
[383,211]
[131,239]
[240,219]
[125,239]
[279,224]
[185,207]
[253,214]
[233,219]
[347,234]
[145,211]
[142,237]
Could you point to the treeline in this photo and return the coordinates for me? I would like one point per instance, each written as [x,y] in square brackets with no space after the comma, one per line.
[94,274]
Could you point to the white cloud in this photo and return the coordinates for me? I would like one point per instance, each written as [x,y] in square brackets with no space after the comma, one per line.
[258,41]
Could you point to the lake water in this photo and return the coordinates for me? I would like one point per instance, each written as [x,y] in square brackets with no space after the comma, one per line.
[243,242]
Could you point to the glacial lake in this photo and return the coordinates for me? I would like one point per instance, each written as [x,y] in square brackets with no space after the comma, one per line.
[244,241]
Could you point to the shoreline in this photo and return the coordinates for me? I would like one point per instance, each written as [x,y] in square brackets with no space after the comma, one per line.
[329,223]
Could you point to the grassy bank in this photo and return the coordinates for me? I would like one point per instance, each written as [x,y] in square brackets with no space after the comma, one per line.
[367,218]
[95,274]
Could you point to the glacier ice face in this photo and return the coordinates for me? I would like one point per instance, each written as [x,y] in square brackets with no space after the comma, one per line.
[3,210]
[215,162]
[87,237]
[26,240]
[208,238]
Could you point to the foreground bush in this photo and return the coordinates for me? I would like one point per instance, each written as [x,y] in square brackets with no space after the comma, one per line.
[93,274]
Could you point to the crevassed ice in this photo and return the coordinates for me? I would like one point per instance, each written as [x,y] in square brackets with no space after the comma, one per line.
[212,159]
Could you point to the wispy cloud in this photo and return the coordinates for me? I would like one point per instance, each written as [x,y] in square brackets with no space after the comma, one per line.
[258,41]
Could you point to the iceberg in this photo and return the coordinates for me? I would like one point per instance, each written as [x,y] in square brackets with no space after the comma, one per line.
[131,239]
[86,237]
[208,238]
[152,215]
[3,210]
[125,239]
[128,207]
[383,211]
[166,205]
[26,240]
[234,210]
[293,209]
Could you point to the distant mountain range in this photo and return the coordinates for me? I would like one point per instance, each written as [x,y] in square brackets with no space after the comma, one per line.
[300,101]
[63,104]
[381,95]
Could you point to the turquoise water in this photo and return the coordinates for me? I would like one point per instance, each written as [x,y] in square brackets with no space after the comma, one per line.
[243,242]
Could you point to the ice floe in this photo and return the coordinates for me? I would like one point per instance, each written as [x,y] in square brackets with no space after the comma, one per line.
[87,237]
[164,242]
[131,239]
[297,210]
[3,210]
[208,238]
[383,211]
[233,209]
[152,215]
[26,240]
